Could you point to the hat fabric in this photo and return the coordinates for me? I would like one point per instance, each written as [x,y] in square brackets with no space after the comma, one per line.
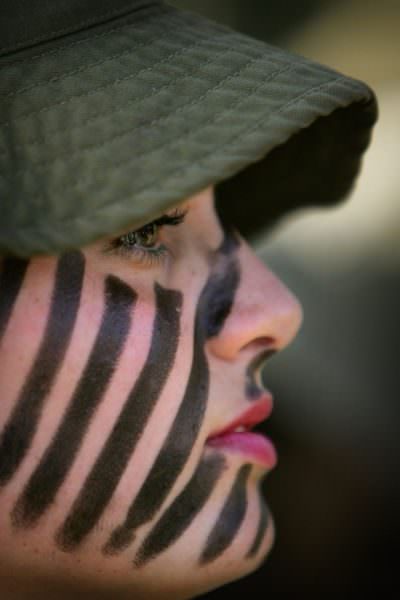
[112,111]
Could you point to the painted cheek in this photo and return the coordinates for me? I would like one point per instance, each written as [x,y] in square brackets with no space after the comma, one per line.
[214,305]
[103,478]
[55,464]
[171,458]
[18,432]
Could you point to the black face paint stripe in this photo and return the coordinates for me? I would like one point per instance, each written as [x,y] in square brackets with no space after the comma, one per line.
[229,520]
[12,275]
[178,517]
[19,430]
[261,529]
[221,299]
[171,458]
[183,433]
[113,458]
[48,477]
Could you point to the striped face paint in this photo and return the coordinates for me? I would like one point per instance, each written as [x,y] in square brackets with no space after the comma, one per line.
[105,466]
[213,307]
[110,465]
[230,519]
[178,517]
[58,458]
[18,432]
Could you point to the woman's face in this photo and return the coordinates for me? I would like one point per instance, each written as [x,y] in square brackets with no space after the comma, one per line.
[124,369]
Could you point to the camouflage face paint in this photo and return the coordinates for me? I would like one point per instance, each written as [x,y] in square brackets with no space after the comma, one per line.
[229,520]
[178,517]
[107,471]
[213,308]
[18,432]
[49,475]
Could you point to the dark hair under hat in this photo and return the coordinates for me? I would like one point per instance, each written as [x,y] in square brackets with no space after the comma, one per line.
[113,110]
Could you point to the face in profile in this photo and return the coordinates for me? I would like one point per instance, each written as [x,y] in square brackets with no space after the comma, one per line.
[129,376]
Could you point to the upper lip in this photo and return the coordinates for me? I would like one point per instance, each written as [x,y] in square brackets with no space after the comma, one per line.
[257,413]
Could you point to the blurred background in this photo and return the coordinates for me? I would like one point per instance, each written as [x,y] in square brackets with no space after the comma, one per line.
[336,494]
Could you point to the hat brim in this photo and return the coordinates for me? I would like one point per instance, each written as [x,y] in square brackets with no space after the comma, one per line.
[110,126]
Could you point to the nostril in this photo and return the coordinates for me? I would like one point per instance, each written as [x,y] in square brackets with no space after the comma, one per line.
[261,344]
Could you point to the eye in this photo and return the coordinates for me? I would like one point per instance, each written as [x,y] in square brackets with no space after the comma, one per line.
[143,245]
[145,237]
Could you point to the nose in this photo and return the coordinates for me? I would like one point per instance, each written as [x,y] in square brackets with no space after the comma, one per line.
[264,311]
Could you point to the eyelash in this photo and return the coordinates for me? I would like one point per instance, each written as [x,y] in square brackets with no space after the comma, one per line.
[123,246]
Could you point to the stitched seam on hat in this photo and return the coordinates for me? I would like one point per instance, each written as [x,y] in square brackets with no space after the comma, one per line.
[237,73]
[131,103]
[88,22]
[132,132]
[247,132]
[85,67]
[314,89]
[64,240]
[226,142]
[83,219]
[180,51]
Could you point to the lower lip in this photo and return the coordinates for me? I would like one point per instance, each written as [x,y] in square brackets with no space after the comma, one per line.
[252,446]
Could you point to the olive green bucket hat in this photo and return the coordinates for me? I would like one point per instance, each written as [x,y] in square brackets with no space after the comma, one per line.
[111,111]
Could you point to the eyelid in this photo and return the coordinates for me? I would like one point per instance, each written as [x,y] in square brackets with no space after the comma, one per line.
[176,217]
[115,246]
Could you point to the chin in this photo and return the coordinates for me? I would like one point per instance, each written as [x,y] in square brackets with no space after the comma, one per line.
[191,578]
[226,571]
[235,565]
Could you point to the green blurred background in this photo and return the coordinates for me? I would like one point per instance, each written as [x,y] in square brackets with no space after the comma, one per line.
[336,494]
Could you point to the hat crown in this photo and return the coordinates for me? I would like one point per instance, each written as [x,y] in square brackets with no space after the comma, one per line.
[25,23]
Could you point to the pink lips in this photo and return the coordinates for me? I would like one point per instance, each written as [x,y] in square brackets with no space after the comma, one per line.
[253,446]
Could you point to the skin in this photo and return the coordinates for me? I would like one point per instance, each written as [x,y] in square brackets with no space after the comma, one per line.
[114,371]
